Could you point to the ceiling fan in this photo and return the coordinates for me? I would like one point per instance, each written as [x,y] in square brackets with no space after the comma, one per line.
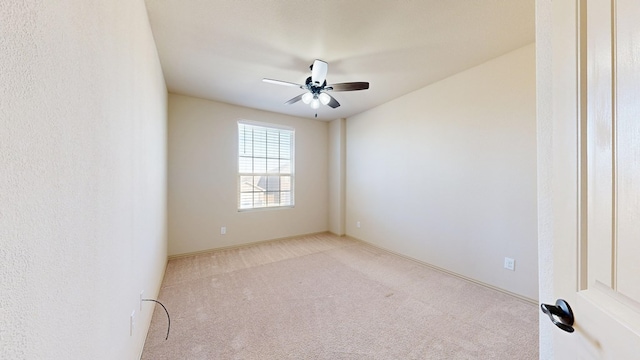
[317,89]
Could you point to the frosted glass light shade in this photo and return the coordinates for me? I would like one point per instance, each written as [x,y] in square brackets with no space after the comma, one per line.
[324,98]
[315,103]
[306,98]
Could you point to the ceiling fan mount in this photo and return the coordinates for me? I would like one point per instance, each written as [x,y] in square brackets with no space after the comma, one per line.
[317,89]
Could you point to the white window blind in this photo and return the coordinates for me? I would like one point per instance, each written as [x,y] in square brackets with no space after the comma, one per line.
[265,166]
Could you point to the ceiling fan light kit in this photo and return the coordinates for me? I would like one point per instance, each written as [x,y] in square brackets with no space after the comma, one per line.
[307,97]
[324,98]
[317,88]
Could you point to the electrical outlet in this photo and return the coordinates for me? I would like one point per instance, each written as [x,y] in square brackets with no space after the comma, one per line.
[509,264]
[358,224]
[132,322]
[223,230]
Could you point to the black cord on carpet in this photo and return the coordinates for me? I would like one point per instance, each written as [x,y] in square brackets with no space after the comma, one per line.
[165,310]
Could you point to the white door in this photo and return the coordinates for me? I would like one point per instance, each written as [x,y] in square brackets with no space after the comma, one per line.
[596,176]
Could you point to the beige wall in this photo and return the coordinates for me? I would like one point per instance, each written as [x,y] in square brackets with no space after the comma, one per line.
[337,175]
[447,174]
[544,100]
[202,168]
[82,179]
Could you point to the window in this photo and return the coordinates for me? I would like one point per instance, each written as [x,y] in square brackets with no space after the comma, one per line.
[265,166]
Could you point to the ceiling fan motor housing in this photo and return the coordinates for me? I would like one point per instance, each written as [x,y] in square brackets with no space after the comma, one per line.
[314,88]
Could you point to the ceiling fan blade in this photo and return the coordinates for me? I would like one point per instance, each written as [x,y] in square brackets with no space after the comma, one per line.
[350,86]
[295,99]
[333,103]
[280,82]
[319,72]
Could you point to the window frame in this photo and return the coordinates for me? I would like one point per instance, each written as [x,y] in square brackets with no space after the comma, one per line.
[267,174]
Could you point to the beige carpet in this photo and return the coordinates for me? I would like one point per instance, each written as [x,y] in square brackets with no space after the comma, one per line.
[325,297]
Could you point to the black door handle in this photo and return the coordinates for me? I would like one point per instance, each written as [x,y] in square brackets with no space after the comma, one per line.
[560,314]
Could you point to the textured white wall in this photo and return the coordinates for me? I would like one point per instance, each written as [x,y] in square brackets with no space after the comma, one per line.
[544,92]
[202,178]
[447,174]
[337,175]
[82,178]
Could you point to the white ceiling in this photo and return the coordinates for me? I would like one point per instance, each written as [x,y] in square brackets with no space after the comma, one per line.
[221,49]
